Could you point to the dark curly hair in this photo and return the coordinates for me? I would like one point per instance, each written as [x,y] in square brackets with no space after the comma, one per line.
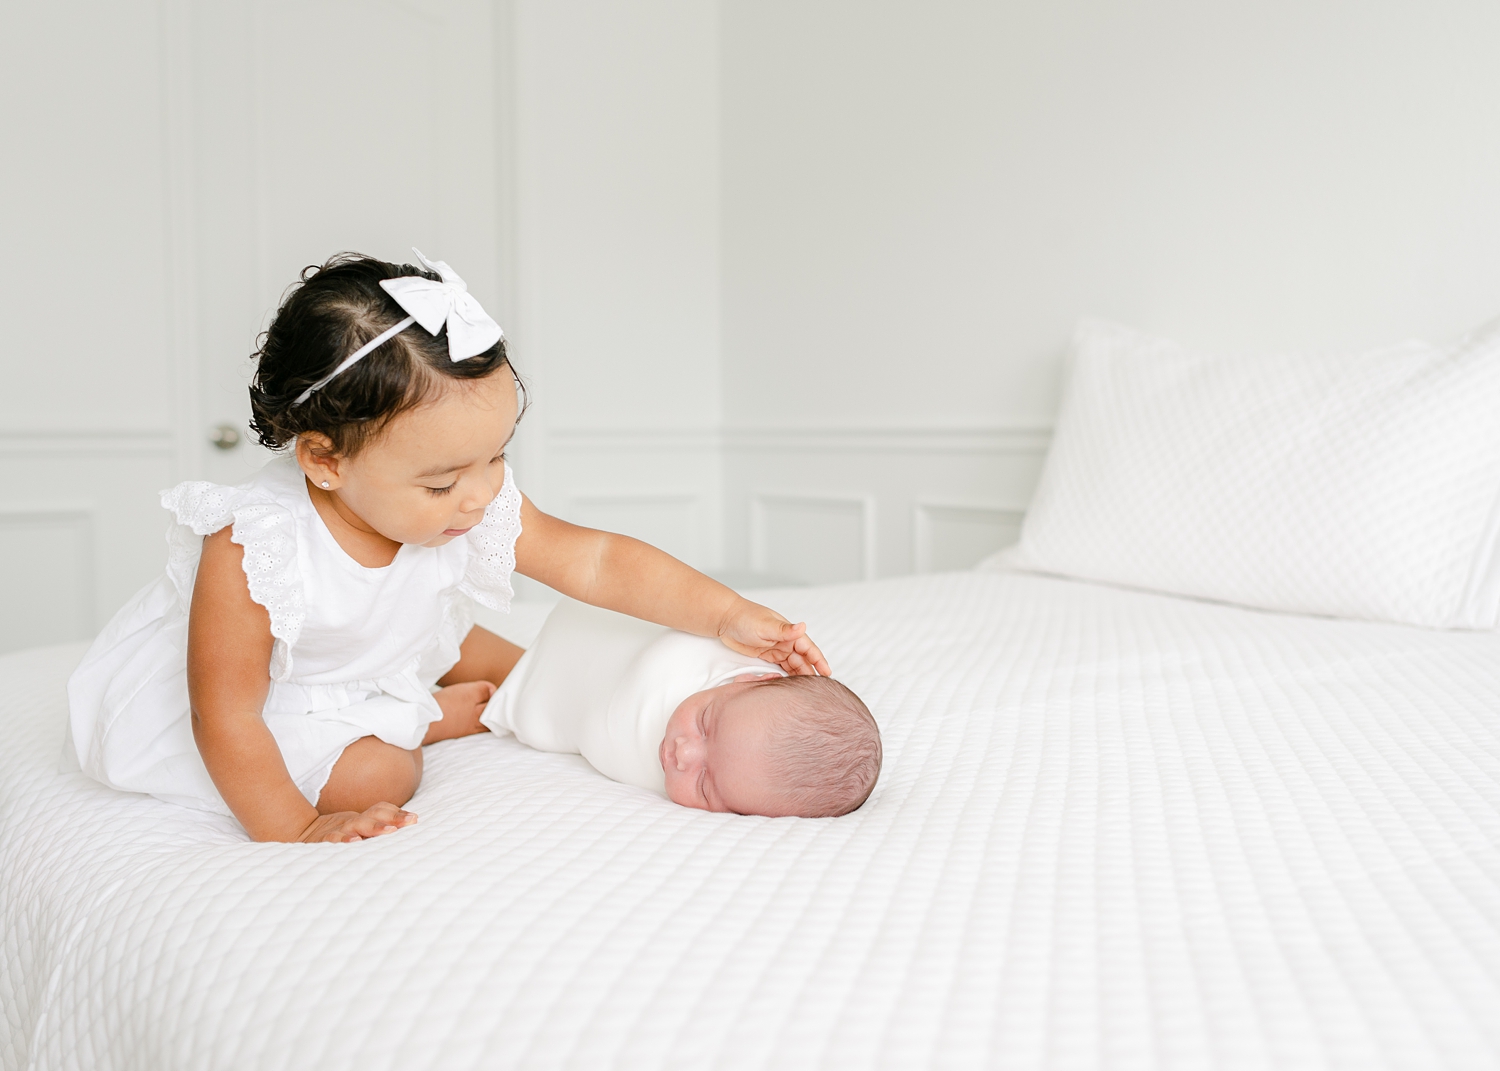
[333,310]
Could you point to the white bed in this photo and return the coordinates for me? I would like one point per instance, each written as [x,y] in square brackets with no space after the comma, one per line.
[1114,830]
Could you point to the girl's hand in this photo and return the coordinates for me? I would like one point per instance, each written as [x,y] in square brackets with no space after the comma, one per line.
[752,629]
[348,826]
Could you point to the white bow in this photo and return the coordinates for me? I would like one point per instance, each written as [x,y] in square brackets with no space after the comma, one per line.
[433,304]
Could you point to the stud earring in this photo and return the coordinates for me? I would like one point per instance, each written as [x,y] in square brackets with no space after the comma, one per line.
[324,485]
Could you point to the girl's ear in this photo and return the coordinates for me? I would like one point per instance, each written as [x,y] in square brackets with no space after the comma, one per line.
[317,460]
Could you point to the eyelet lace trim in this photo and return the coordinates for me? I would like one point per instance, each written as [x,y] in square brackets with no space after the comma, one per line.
[265,530]
[492,550]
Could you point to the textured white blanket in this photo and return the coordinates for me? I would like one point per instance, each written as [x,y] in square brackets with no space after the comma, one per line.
[1114,829]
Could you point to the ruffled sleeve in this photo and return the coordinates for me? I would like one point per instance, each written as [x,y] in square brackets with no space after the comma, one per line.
[492,549]
[267,532]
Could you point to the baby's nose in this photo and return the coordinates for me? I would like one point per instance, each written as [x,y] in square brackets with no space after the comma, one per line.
[689,752]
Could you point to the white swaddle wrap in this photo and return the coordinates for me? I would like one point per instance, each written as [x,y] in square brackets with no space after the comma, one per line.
[602,685]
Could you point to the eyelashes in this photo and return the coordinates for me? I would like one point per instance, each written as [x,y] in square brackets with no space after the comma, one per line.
[702,721]
[440,491]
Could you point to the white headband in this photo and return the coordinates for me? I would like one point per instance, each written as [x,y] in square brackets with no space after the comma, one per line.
[433,305]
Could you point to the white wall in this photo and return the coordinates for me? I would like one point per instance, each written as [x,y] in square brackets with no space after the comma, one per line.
[915,202]
[921,198]
[89,396]
[617,154]
[616,150]
[791,280]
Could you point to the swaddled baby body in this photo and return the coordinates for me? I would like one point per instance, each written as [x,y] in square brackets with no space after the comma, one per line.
[686,717]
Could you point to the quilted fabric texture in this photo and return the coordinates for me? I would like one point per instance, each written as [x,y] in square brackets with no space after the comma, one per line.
[1361,485]
[1114,829]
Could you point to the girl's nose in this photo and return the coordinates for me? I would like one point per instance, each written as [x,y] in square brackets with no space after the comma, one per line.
[476,501]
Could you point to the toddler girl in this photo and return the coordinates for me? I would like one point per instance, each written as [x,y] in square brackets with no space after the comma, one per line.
[282,670]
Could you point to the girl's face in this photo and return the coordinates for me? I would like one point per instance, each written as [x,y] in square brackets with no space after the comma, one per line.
[430,473]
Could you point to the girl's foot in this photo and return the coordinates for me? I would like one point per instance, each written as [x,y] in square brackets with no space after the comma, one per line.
[462,704]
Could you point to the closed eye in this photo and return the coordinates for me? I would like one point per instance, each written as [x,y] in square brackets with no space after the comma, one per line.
[443,490]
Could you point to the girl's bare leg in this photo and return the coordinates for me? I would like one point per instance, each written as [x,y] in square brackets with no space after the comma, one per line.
[370,771]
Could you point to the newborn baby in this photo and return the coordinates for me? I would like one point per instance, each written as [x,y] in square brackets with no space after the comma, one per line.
[687,717]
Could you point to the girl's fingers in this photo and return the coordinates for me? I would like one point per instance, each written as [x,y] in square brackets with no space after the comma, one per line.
[814,657]
[789,646]
[808,651]
[390,813]
[379,820]
[366,826]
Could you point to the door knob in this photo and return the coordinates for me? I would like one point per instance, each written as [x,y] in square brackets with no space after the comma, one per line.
[225,436]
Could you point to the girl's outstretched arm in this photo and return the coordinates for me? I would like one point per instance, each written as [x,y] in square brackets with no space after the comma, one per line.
[624,574]
[228,670]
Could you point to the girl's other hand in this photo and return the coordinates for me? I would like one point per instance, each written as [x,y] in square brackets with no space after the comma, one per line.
[347,826]
[757,630]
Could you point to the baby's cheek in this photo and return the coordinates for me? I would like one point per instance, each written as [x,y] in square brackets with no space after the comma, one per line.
[680,791]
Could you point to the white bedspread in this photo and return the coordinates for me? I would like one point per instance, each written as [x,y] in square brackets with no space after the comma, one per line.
[1114,829]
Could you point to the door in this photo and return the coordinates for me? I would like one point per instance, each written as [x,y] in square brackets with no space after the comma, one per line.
[158,201]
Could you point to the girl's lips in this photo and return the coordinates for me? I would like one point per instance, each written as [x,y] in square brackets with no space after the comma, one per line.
[456,531]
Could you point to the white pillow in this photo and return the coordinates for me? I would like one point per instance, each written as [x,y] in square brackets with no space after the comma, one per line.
[1359,485]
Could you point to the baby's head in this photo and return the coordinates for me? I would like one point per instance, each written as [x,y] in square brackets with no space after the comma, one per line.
[407,436]
[774,746]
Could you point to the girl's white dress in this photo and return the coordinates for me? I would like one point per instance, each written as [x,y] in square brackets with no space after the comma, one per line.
[356,651]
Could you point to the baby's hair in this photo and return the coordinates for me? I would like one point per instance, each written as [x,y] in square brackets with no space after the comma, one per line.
[333,310]
[827,746]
